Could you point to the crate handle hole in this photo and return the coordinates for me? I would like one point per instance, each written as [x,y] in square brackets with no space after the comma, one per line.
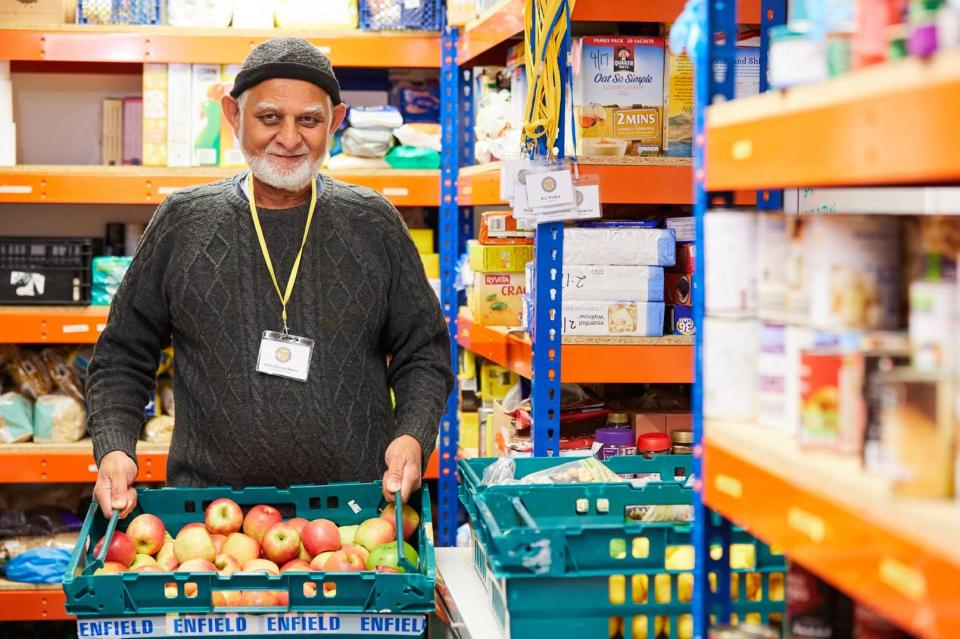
[333,502]
[309,590]
[190,590]
[639,627]
[315,503]
[618,548]
[617,589]
[170,590]
[639,587]
[640,548]
[330,589]
[189,506]
[616,628]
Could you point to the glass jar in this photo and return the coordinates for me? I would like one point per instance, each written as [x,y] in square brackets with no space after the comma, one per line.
[681,442]
[652,444]
[618,420]
[612,442]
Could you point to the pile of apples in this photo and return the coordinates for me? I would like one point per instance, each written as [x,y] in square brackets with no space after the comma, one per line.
[229,542]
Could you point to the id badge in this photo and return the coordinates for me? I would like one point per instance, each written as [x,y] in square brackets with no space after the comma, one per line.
[285,355]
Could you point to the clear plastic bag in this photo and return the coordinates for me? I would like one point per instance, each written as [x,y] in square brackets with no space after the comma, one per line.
[59,418]
[500,472]
[39,566]
[581,471]
[16,418]
[367,143]
[159,429]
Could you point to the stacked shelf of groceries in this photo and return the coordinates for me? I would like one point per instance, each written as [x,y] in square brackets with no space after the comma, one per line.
[829,361]
[86,111]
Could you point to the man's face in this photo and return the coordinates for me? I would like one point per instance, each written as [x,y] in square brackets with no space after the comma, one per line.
[284,128]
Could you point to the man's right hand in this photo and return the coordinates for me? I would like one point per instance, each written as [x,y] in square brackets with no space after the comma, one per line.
[114,487]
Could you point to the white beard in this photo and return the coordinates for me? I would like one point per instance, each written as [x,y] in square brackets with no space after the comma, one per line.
[292,180]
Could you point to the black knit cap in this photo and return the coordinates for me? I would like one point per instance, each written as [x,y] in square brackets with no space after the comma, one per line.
[292,58]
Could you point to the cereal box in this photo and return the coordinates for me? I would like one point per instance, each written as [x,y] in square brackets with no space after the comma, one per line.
[619,95]
[678,107]
[230,153]
[207,91]
[179,120]
[154,115]
[618,319]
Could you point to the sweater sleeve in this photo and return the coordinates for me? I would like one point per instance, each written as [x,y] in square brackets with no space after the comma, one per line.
[416,336]
[123,368]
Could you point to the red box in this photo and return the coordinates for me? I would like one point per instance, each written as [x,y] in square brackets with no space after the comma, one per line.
[677,288]
[686,259]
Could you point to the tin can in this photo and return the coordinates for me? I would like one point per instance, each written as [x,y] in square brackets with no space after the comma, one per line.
[730,369]
[831,386]
[730,254]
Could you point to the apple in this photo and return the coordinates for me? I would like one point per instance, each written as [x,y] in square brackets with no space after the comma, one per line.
[226,565]
[320,535]
[218,541]
[411,519]
[143,560]
[386,555]
[374,532]
[320,560]
[259,519]
[223,517]
[241,547]
[343,561]
[224,598]
[259,598]
[167,537]
[310,589]
[295,565]
[147,568]
[197,565]
[195,524]
[193,542]
[306,556]
[166,558]
[111,568]
[283,597]
[122,549]
[348,534]
[147,533]
[388,570]
[297,523]
[261,565]
[360,551]
[281,543]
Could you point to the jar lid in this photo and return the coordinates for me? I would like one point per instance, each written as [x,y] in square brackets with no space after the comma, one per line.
[614,436]
[682,436]
[618,418]
[653,442]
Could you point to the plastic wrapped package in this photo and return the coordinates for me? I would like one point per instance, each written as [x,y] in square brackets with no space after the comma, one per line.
[59,418]
[158,430]
[213,14]
[413,157]
[108,272]
[16,418]
[419,103]
[39,566]
[37,521]
[62,373]
[254,14]
[619,246]
[500,472]
[29,374]
[582,471]
[165,393]
[316,14]
[420,134]
[367,143]
[347,162]
[375,117]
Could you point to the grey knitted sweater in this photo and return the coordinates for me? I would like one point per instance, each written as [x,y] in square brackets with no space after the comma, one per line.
[199,278]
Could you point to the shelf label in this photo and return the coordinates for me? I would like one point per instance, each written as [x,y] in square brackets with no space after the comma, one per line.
[742,150]
[100,327]
[242,625]
[16,189]
[728,485]
[166,190]
[807,524]
[75,328]
[908,581]
[396,191]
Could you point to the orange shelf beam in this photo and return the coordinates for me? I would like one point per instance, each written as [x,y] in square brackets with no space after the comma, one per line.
[506,20]
[109,43]
[26,602]
[147,185]
[899,556]
[51,324]
[854,130]
[664,360]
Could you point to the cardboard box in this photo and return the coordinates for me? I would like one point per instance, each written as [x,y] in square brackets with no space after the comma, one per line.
[33,11]
[626,246]
[686,259]
[747,80]
[611,283]
[678,288]
[111,132]
[495,382]
[497,298]
[615,318]
[205,102]
[678,110]
[230,153]
[618,81]
[500,227]
[498,259]
[133,131]
[154,115]
[431,265]
[179,115]
[678,320]
[423,239]
[470,433]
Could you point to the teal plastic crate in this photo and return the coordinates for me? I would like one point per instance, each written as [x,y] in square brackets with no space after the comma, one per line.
[361,599]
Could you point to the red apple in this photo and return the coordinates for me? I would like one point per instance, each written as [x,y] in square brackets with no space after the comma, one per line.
[320,535]
[166,558]
[297,523]
[261,565]
[223,517]
[411,519]
[197,565]
[375,532]
[310,589]
[241,547]
[110,568]
[147,568]
[320,560]
[195,524]
[360,551]
[218,541]
[281,543]
[259,598]
[295,565]
[122,549]
[259,519]
[226,565]
[143,560]
[343,561]
[283,597]
[147,533]
[224,598]
[306,556]
[194,542]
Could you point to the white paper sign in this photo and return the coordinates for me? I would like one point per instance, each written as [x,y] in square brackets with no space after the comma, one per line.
[549,190]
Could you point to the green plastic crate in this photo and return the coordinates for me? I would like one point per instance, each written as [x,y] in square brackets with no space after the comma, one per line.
[359,596]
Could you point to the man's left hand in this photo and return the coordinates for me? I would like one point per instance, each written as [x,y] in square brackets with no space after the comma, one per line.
[403,467]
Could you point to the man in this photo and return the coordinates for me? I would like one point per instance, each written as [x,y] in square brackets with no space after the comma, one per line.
[245,275]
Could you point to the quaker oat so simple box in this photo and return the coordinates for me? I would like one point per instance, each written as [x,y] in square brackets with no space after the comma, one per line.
[618,88]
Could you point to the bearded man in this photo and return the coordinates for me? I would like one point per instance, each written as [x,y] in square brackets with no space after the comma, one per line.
[294,303]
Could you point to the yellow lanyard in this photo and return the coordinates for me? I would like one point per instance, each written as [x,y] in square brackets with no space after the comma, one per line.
[284,297]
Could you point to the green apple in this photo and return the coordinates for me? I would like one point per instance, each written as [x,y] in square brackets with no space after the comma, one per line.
[386,555]
[347,534]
